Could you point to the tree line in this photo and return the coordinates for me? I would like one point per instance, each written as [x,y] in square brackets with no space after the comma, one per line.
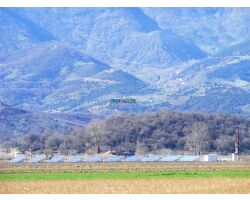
[158,132]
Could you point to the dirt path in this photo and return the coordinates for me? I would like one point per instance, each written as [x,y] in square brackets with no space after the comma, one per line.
[152,186]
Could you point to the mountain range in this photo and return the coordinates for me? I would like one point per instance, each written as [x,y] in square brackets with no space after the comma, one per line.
[55,77]
[18,33]
[212,29]
[15,122]
[219,83]
[117,37]
[75,60]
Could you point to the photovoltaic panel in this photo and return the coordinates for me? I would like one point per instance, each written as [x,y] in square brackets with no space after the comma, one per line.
[38,159]
[75,159]
[170,158]
[56,159]
[95,159]
[18,159]
[84,159]
[132,159]
[189,158]
[210,158]
[114,158]
[150,159]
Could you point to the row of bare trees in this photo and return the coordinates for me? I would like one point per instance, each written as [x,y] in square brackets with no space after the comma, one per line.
[145,133]
[191,132]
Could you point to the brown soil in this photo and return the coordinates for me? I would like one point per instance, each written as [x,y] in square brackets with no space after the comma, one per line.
[123,166]
[134,186]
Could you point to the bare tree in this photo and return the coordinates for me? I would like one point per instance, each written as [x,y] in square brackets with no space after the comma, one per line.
[95,130]
[66,145]
[198,138]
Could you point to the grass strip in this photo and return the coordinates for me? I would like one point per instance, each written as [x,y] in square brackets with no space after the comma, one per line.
[120,175]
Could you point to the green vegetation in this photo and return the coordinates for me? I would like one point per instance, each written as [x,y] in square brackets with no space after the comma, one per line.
[120,175]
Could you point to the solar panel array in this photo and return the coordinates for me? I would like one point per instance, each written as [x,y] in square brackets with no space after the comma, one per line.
[132,159]
[18,159]
[114,158]
[170,159]
[150,159]
[75,159]
[189,158]
[95,159]
[56,159]
[38,159]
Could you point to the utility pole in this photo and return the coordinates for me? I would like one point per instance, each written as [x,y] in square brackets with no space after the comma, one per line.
[237,142]
[30,152]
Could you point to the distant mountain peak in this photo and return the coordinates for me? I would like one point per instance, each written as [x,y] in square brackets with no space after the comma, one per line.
[37,32]
[18,33]
[147,23]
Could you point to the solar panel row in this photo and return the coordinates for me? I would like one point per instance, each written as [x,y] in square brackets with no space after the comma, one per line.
[112,158]
[38,159]
[56,159]
[189,158]
[18,159]
[150,159]
[132,159]
[75,159]
[170,158]
[95,159]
